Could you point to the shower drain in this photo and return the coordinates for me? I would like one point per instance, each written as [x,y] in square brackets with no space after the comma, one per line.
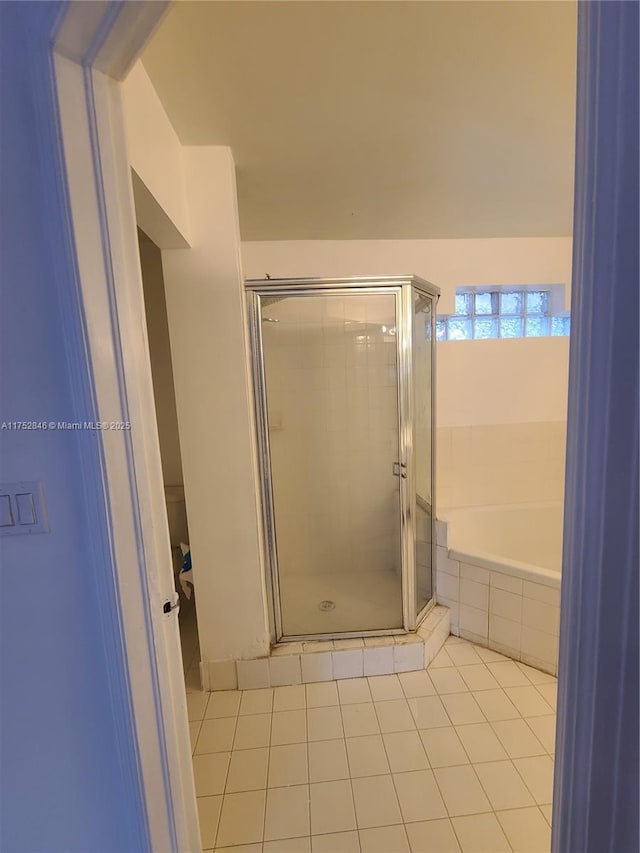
[326,605]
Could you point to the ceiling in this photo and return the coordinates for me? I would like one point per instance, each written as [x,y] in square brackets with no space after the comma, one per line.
[380,120]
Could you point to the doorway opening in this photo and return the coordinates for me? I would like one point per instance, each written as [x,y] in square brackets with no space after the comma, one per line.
[168,434]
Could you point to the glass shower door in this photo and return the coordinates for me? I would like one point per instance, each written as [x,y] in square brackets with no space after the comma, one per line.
[422,391]
[330,372]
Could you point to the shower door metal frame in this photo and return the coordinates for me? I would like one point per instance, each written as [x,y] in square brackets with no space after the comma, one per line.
[425,288]
[402,288]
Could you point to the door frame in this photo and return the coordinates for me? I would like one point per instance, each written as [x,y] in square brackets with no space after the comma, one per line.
[402,288]
[93,46]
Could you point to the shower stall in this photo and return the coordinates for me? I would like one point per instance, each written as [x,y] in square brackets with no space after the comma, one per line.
[344,386]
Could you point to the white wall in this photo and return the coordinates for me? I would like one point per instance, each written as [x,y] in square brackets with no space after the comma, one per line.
[161,367]
[186,197]
[501,405]
[205,309]
[447,263]
[157,160]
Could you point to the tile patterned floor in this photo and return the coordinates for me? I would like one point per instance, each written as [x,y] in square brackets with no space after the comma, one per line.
[455,758]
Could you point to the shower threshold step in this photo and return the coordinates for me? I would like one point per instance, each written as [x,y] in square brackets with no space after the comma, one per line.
[327,660]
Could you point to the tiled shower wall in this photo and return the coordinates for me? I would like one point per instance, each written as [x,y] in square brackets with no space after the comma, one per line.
[500,463]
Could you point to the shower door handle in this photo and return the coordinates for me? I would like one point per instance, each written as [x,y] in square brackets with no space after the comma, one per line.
[400,470]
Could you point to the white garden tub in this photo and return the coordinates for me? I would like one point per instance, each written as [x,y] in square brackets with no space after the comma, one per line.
[498,570]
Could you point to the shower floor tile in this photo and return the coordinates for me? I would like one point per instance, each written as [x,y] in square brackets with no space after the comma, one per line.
[380,764]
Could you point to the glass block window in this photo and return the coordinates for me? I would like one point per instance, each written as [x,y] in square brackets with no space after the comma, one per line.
[501,313]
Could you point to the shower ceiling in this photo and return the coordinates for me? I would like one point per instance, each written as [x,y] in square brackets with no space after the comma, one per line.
[359,120]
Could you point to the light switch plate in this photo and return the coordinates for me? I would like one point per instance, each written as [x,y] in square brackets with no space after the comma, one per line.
[22,508]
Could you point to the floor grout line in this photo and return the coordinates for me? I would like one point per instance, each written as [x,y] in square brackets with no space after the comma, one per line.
[226,775]
[378,707]
[306,718]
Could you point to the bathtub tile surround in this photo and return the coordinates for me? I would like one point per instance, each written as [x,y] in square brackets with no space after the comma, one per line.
[457,757]
[328,660]
[473,621]
[517,614]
